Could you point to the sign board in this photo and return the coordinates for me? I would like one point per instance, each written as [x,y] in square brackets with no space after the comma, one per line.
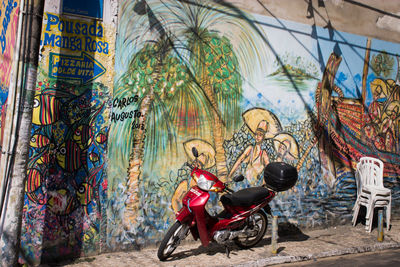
[87,8]
[83,68]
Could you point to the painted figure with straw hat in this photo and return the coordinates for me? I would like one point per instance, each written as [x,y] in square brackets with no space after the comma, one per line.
[286,148]
[263,124]
[379,91]
[205,160]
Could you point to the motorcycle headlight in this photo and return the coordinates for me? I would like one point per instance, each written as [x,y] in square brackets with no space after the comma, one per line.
[203,183]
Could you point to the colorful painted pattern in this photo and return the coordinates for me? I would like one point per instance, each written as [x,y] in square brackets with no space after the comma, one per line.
[66,178]
[66,189]
[9,12]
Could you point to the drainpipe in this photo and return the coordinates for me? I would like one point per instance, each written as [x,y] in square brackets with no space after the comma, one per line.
[14,166]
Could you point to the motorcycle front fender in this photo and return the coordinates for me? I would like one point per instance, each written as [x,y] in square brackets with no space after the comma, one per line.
[193,212]
[184,215]
[201,222]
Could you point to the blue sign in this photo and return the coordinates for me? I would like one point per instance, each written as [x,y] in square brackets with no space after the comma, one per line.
[83,68]
[87,8]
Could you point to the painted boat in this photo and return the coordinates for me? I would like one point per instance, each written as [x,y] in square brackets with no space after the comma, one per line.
[346,132]
[341,122]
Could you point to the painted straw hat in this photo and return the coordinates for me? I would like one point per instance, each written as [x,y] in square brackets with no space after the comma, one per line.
[393,107]
[392,112]
[202,147]
[379,87]
[257,118]
[284,138]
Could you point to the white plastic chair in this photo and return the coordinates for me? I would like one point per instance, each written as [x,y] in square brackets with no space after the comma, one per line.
[370,191]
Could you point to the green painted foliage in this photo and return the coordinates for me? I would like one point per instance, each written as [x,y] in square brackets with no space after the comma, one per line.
[215,62]
[382,64]
[152,67]
[222,69]
[215,54]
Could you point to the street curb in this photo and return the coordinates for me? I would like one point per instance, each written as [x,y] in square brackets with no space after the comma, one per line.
[288,259]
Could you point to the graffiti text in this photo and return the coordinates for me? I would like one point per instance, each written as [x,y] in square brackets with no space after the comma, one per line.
[125,115]
[136,125]
[124,102]
[6,21]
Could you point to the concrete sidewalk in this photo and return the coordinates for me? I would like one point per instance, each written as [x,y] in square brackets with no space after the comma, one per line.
[293,246]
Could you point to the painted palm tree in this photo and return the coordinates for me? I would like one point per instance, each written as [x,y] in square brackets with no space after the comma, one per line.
[218,66]
[158,79]
[215,66]
[165,91]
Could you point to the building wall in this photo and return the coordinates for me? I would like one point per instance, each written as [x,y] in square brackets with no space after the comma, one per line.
[366,17]
[9,13]
[66,199]
[111,138]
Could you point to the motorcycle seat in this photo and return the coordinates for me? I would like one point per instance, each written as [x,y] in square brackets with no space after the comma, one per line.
[245,197]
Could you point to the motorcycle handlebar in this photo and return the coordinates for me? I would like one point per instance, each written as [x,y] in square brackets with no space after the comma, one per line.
[228,189]
[236,179]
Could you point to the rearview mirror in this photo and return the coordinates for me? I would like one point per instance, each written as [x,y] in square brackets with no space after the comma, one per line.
[238,178]
[195,152]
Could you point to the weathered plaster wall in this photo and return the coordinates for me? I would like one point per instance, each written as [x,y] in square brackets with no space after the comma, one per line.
[375,19]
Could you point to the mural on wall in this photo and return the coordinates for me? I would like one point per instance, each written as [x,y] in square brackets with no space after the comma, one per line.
[66,188]
[9,13]
[213,77]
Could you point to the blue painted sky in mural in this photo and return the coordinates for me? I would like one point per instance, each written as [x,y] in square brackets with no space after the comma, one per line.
[313,47]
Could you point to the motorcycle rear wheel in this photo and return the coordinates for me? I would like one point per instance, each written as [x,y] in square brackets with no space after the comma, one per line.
[176,233]
[258,223]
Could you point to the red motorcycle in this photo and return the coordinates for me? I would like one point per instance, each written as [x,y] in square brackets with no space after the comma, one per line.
[244,218]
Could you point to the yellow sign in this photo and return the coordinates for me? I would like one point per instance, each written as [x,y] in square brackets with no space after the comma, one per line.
[75,35]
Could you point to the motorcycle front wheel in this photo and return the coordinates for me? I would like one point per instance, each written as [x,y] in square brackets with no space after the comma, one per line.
[255,230]
[176,233]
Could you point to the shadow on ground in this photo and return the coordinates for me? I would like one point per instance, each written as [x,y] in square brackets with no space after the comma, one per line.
[286,231]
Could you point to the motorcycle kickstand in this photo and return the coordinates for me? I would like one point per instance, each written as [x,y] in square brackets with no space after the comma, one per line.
[227,251]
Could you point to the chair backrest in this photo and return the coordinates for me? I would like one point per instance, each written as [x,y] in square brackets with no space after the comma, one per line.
[358,178]
[370,171]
